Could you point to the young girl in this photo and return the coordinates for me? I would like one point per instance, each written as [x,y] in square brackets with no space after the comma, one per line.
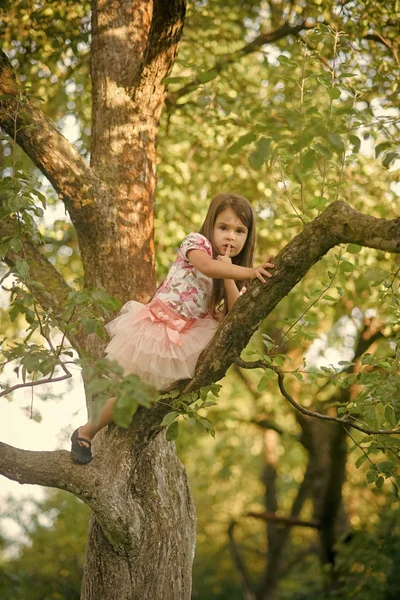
[161,341]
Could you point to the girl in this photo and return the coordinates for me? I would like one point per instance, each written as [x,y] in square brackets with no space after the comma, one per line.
[161,341]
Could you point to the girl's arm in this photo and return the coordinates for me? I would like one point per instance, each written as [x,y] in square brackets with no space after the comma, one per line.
[222,270]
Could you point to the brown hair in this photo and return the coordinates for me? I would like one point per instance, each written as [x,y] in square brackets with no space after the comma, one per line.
[243,209]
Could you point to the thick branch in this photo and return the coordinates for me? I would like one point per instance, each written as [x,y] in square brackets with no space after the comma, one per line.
[339,223]
[53,291]
[53,154]
[53,469]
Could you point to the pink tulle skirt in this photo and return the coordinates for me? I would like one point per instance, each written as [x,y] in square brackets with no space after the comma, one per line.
[156,343]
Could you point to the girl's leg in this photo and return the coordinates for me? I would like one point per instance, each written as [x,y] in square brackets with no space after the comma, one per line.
[89,430]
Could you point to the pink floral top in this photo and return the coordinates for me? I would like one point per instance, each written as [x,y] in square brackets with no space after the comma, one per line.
[186,289]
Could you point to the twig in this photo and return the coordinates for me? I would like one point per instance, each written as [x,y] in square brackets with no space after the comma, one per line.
[288,521]
[316,299]
[261,364]
[34,383]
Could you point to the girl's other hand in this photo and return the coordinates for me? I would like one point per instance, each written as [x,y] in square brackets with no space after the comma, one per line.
[260,272]
[225,258]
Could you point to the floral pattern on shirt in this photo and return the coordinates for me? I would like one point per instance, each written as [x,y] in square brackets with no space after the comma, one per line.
[186,289]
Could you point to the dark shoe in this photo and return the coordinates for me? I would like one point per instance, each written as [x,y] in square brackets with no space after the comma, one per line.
[80,449]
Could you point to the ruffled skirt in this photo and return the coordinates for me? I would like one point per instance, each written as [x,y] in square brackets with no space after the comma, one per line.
[156,343]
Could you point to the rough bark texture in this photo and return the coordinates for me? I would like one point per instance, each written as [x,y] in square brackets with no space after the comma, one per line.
[151,554]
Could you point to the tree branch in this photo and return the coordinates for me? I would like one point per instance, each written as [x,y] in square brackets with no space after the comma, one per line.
[376,37]
[288,521]
[53,291]
[338,223]
[309,413]
[53,469]
[227,59]
[52,153]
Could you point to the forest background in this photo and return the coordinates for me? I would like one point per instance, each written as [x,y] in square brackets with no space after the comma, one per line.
[292,117]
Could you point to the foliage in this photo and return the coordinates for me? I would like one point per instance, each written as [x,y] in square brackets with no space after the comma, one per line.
[293,125]
[49,564]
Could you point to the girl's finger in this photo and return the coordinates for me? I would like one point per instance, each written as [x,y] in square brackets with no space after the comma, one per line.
[264,272]
[260,277]
[228,249]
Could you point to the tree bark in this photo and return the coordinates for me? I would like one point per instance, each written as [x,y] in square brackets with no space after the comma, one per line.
[151,555]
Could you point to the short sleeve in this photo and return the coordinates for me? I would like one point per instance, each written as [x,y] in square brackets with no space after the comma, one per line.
[194,241]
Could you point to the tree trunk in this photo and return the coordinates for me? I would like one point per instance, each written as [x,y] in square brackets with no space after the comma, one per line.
[326,443]
[150,554]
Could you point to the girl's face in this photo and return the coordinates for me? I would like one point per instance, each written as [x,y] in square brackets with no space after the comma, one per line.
[229,230]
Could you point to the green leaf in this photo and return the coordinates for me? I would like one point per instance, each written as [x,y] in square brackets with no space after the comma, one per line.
[372,475]
[22,268]
[170,418]
[334,93]
[268,373]
[318,202]
[389,158]
[123,411]
[98,385]
[258,157]
[323,150]
[90,325]
[206,76]
[208,426]
[361,460]
[387,468]
[168,80]
[353,248]
[245,139]
[15,244]
[262,386]
[390,415]
[336,142]
[308,160]
[284,60]
[381,147]
[346,266]
[356,142]
[172,431]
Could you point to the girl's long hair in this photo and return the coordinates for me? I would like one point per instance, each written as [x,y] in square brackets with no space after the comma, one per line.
[244,211]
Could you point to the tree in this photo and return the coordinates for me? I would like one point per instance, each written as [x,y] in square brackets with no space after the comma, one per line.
[142,511]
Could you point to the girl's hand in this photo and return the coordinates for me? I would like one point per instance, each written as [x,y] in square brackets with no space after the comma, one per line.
[260,272]
[225,258]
